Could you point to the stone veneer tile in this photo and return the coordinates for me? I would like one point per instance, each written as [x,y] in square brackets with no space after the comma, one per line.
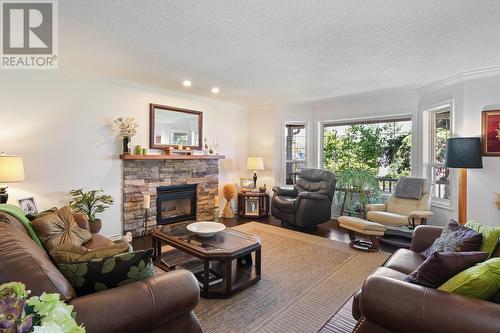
[144,176]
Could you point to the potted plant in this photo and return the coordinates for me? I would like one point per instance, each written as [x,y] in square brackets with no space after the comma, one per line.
[127,128]
[90,203]
[356,189]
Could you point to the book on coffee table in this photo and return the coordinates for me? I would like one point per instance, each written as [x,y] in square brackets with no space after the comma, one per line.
[213,278]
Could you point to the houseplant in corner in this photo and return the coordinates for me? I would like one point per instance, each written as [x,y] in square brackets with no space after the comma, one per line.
[90,203]
[127,128]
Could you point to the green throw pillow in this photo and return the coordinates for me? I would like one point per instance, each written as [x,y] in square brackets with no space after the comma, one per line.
[110,272]
[490,236]
[481,281]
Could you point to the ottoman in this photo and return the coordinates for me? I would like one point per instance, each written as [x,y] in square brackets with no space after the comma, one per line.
[357,226]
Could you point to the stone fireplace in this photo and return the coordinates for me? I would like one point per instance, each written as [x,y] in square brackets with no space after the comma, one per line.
[175,203]
[147,174]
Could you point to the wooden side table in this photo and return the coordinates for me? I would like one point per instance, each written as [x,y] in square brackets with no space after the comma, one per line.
[253,204]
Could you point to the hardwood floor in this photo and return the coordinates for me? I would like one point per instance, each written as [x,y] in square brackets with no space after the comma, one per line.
[340,322]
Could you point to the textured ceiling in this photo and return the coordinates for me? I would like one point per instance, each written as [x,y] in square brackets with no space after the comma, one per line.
[277,51]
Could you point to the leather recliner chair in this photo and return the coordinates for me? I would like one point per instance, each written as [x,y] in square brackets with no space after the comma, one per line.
[308,202]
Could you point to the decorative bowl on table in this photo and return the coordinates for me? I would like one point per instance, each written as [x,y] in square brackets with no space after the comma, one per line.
[205,229]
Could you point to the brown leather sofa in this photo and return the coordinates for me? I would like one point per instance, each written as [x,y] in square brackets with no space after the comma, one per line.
[163,303]
[388,304]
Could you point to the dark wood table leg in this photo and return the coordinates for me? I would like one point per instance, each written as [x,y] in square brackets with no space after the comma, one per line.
[228,276]
[258,267]
[156,243]
[206,275]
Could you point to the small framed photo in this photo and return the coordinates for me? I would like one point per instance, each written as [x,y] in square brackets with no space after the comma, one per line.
[252,206]
[246,183]
[491,133]
[28,205]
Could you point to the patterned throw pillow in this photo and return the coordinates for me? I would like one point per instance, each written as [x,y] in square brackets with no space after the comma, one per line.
[455,238]
[106,273]
[59,228]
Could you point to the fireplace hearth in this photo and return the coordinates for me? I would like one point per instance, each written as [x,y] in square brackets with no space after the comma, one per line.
[175,203]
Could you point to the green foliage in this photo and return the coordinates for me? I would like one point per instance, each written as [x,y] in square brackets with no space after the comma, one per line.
[90,203]
[360,187]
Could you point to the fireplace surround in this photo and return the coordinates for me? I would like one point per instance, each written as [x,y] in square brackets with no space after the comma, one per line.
[175,203]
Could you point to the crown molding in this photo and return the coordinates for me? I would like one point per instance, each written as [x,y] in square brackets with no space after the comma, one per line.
[461,77]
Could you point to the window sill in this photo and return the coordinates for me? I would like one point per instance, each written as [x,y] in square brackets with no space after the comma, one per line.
[443,204]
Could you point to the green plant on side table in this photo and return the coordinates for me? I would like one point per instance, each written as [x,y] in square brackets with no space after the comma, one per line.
[91,203]
[356,188]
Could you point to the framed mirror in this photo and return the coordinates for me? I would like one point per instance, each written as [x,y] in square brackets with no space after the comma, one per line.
[171,126]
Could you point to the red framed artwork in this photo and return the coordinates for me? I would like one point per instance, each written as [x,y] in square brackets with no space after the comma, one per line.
[491,133]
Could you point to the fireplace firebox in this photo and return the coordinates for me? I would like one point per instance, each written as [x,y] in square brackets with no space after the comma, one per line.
[175,203]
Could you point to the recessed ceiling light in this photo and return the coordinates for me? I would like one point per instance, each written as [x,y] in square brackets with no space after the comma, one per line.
[186,83]
[215,90]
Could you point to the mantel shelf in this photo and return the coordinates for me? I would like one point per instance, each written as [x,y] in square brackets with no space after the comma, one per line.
[172,157]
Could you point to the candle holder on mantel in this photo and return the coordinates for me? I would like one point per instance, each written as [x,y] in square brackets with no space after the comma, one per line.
[146,205]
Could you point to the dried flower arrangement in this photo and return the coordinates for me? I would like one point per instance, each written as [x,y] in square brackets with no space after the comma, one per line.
[127,127]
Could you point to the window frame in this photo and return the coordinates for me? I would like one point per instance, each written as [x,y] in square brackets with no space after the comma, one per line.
[307,147]
[430,164]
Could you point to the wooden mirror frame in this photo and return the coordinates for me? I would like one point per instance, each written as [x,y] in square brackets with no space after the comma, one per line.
[152,125]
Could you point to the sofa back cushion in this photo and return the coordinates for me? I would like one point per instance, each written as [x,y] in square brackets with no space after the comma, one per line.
[22,260]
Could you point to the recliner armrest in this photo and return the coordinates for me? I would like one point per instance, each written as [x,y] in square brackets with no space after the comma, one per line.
[313,196]
[402,307]
[287,191]
[139,306]
[376,207]
[421,214]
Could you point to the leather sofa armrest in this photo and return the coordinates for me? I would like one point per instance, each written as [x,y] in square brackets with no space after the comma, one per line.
[424,236]
[139,306]
[312,196]
[375,207]
[424,309]
[288,191]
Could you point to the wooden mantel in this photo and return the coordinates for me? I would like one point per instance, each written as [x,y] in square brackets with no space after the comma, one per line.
[172,157]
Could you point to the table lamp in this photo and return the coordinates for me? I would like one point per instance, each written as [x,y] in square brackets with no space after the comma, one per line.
[463,154]
[11,170]
[255,164]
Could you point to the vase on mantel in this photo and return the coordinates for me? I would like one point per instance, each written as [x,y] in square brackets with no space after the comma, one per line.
[126,145]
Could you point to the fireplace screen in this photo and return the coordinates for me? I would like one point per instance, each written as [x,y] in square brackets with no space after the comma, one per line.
[175,203]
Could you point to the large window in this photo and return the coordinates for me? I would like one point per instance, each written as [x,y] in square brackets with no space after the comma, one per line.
[295,151]
[381,147]
[440,131]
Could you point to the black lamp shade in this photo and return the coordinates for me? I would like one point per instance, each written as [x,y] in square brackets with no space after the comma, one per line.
[464,153]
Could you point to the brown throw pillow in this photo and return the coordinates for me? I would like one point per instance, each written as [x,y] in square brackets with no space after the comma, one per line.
[60,228]
[455,238]
[441,266]
[70,253]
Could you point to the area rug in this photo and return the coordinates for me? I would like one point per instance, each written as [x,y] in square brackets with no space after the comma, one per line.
[306,279]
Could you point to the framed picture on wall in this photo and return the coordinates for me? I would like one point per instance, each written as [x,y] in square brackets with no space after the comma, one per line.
[28,205]
[491,133]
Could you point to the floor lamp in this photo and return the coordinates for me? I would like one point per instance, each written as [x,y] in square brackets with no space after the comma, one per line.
[463,154]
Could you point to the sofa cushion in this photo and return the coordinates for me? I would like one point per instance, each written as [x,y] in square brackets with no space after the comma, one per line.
[60,228]
[455,238]
[110,272]
[481,281]
[22,260]
[404,261]
[285,204]
[490,236]
[441,266]
[387,218]
[69,253]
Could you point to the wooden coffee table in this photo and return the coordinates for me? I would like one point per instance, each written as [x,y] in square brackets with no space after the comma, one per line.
[227,257]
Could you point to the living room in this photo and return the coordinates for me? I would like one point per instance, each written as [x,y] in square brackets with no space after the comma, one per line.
[313,128]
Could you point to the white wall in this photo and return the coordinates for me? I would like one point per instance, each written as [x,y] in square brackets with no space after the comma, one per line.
[62,123]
